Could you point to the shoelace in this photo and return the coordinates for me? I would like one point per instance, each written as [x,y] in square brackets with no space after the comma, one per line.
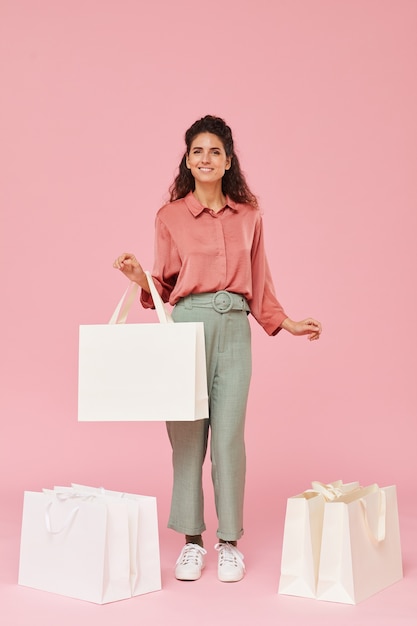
[191,552]
[229,555]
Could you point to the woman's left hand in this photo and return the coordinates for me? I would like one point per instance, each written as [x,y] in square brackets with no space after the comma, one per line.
[309,327]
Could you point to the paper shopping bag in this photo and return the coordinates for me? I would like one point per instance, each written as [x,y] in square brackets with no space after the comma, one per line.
[145,569]
[76,547]
[142,372]
[302,538]
[79,545]
[361,550]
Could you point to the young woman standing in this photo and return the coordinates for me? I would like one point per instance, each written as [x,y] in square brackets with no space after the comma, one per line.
[210,263]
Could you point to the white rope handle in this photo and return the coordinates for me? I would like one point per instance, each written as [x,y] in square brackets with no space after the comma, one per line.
[122,310]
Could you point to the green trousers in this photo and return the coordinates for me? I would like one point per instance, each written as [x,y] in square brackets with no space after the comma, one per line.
[229,366]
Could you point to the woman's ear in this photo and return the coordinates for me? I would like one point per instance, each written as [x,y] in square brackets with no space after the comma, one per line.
[228,163]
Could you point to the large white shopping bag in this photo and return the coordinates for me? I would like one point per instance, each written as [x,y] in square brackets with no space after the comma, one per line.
[78,544]
[142,372]
[361,549]
[302,537]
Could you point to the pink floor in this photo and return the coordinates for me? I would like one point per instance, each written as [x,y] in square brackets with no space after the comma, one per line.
[207,601]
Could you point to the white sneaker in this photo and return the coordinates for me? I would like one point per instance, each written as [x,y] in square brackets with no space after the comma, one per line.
[190,562]
[230,567]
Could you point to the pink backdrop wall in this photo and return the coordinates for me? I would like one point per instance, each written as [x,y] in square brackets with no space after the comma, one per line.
[322,98]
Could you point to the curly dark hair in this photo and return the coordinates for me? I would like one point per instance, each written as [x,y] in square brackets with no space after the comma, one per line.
[234,183]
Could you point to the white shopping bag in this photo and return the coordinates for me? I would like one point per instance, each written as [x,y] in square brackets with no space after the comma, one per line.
[78,544]
[142,372]
[302,538]
[361,549]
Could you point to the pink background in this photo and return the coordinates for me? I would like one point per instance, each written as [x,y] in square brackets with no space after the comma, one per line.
[322,99]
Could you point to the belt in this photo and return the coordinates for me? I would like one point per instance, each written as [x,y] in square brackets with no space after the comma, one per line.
[220,301]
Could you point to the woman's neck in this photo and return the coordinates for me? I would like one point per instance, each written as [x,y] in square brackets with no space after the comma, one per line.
[211,197]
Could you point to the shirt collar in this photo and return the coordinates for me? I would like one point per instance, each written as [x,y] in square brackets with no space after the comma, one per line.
[196,208]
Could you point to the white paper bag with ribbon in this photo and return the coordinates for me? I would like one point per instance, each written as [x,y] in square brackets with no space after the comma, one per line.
[361,549]
[142,372]
[302,537]
[79,544]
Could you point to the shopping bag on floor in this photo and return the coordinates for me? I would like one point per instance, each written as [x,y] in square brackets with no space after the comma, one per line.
[361,549]
[142,372]
[302,537]
[79,544]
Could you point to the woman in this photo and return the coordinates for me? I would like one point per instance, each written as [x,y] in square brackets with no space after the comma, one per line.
[210,263]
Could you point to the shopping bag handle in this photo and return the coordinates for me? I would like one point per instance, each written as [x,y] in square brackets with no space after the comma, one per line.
[67,523]
[376,531]
[65,494]
[120,314]
[122,310]
[163,315]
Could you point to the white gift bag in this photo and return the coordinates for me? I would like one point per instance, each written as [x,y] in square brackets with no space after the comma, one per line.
[361,549]
[81,544]
[302,538]
[142,372]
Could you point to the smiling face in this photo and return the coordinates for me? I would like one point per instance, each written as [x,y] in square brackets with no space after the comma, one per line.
[207,159]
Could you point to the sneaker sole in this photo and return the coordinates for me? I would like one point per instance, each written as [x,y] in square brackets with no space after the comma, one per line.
[230,579]
[189,577]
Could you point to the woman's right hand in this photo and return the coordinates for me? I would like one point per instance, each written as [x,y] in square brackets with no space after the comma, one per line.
[132,269]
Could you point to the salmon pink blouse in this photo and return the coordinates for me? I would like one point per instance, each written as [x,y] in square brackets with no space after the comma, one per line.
[198,250]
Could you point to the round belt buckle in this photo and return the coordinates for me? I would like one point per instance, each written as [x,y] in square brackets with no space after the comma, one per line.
[222,302]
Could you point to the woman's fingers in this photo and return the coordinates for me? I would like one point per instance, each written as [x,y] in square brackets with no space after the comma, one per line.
[124,260]
[311,328]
